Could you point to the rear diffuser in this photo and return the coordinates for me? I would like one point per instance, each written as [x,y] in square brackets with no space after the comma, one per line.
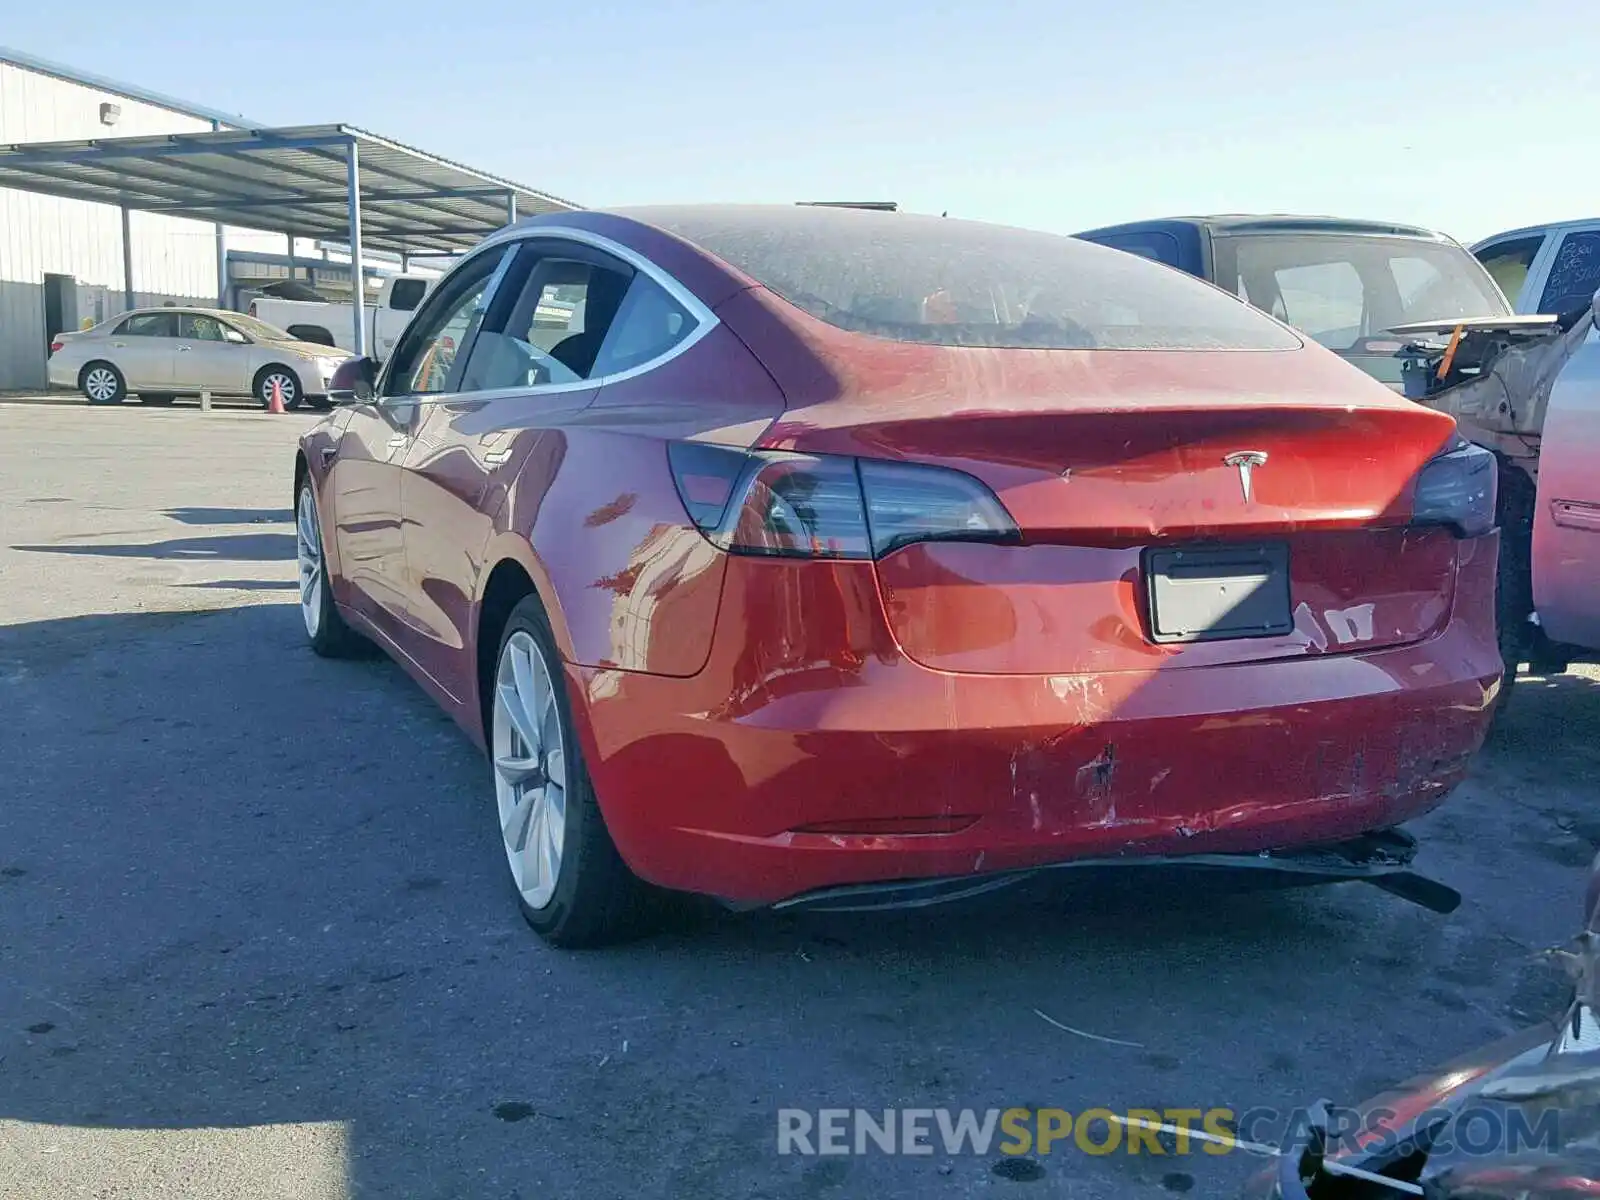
[1381,858]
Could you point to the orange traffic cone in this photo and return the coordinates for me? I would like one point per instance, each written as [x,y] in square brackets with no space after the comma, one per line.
[275,404]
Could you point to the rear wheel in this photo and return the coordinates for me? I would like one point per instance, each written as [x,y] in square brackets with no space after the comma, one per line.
[102,383]
[285,380]
[571,883]
[1513,597]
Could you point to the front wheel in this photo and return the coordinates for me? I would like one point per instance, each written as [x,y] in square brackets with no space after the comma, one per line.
[102,383]
[325,628]
[571,883]
[284,380]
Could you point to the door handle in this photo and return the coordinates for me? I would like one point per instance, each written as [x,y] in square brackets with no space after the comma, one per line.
[120,345]
[397,441]
[1576,514]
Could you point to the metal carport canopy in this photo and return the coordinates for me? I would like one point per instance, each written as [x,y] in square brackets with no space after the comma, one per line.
[334,182]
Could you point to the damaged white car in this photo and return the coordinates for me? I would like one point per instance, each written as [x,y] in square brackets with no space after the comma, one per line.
[1528,388]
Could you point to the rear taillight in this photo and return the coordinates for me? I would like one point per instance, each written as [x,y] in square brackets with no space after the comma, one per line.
[829,506]
[1458,489]
[56,345]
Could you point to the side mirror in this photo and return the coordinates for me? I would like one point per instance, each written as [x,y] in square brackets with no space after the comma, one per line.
[355,381]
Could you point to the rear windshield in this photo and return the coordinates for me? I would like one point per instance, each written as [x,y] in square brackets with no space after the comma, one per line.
[259,330]
[1341,289]
[961,283]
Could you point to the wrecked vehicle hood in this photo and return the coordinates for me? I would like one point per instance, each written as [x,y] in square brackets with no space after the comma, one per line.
[1494,375]
[1517,1120]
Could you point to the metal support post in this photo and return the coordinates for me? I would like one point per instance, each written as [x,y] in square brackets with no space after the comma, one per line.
[127,261]
[358,273]
[220,235]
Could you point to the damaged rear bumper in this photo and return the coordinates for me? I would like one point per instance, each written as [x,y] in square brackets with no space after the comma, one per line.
[759,786]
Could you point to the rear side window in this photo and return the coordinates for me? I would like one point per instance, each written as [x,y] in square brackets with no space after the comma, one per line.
[960,283]
[150,325]
[1574,276]
[406,294]
[1508,263]
[649,323]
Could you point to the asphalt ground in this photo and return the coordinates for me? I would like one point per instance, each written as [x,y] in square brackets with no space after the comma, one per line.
[256,939]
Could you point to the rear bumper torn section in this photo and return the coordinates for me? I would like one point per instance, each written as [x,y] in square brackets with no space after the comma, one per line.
[1381,858]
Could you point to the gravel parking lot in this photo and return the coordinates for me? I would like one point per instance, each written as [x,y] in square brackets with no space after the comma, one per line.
[255,936]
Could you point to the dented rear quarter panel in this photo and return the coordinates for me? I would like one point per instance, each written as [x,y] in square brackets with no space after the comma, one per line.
[595,519]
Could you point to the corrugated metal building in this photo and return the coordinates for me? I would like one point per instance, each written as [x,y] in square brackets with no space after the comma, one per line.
[81,243]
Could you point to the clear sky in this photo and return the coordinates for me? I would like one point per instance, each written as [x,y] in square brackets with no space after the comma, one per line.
[1469,117]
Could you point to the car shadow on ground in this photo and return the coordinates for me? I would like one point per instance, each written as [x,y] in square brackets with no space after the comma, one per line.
[244,585]
[241,886]
[230,516]
[238,547]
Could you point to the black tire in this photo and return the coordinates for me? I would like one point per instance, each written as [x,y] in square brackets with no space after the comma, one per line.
[1513,593]
[294,395]
[326,630]
[92,375]
[156,398]
[597,899]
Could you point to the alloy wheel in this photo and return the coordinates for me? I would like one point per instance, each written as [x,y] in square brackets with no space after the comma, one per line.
[101,384]
[308,553]
[530,769]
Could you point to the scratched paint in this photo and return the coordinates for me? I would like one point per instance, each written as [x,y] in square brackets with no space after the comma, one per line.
[1088,690]
[1308,627]
[1095,782]
[1350,624]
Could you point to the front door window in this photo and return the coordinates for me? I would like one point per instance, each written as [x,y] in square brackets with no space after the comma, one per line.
[424,361]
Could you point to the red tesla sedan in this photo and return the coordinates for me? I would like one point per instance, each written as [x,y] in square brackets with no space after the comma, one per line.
[809,555]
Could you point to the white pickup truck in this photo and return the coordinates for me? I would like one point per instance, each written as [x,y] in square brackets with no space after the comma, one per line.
[330,322]
[1547,269]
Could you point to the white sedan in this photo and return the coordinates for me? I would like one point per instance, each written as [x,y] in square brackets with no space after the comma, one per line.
[159,354]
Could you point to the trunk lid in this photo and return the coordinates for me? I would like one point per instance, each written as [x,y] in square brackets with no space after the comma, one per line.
[1103,458]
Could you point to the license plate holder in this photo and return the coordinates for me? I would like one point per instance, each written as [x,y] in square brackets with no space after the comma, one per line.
[1212,593]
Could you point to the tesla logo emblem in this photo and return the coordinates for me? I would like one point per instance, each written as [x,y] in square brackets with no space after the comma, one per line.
[1247,461]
